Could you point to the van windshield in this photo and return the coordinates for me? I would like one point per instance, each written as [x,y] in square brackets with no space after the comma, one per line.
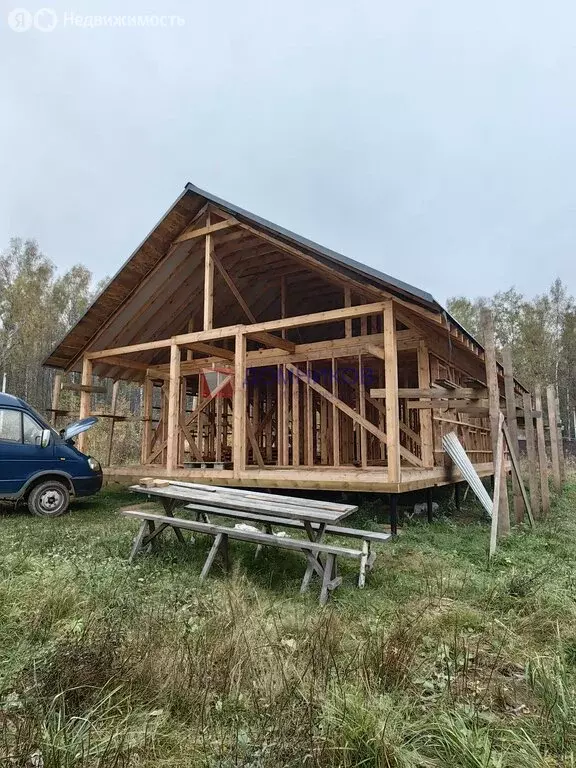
[40,419]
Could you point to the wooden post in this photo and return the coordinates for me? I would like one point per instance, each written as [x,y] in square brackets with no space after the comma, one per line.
[335,416]
[362,409]
[208,281]
[56,388]
[115,388]
[499,477]
[283,303]
[553,429]
[348,322]
[426,426]
[561,443]
[85,400]
[295,422]
[309,436]
[173,409]
[542,458]
[512,427]
[391,387]
[147,418]
[494,406]
[532,456]
[239,415]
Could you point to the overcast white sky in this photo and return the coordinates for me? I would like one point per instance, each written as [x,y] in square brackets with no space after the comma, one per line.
[433,139]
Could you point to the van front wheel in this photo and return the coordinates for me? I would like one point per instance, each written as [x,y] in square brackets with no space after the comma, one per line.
[49,499]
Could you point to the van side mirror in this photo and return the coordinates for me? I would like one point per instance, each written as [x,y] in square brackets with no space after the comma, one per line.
[45,440]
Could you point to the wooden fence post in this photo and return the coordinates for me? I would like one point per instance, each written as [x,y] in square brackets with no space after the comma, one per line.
[533,474]
[494,405]
[512,428]
[542,458]
[553,430]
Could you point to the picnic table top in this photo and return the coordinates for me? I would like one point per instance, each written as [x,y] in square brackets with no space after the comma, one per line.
[292,507]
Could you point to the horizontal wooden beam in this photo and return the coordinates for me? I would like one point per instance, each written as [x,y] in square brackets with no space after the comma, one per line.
[89,388]
[121,362]
[433,392]
[202,231]
[453,404]
[210,349]
[274,342]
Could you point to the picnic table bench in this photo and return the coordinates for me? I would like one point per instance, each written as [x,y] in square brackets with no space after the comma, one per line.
[315,518]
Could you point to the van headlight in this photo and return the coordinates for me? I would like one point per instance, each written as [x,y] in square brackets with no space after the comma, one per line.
[94,464]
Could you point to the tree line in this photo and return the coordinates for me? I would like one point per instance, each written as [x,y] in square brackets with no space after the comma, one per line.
[541,334]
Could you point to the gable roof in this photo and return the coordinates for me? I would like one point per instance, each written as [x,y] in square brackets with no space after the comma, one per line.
[154,247]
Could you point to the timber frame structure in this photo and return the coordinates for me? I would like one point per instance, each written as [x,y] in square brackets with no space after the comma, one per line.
[330,374]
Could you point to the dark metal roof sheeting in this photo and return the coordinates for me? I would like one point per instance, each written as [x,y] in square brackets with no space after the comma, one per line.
[153,248]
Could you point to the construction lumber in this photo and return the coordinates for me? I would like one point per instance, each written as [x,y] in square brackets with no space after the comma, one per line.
[85,399]
[208,281]
[426,426]
[512,427]
[86,388]
[554,443]
[210,229]
[239,428]
[210,349]
[542,458]
[173,409]
[391,387]
[499,477]
[533,474]
[494,399]
[270,340]
[513,452]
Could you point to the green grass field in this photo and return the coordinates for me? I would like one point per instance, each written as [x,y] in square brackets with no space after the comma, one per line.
[440,661]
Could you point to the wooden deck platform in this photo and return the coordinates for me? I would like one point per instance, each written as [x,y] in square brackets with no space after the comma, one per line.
[370,480]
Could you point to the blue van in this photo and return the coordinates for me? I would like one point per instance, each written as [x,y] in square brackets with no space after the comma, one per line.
[40,466]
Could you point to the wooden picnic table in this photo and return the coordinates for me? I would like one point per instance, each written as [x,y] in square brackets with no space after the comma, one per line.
[314,515]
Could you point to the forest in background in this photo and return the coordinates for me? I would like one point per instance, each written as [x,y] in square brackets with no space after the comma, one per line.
[38,306]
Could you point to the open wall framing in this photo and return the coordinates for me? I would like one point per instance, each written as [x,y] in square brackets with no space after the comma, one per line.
[266,360]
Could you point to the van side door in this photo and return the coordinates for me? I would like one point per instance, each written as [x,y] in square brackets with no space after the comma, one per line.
[21,454]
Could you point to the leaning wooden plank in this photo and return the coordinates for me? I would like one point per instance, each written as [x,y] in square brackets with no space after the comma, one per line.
[542,458]
[516,467]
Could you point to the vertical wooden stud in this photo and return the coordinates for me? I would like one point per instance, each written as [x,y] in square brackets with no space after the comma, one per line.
[295,421]
[362,409]
[208,281]
[239,415]
[115,388]
[85,400]
[56,389]
[348,321]
[173,409]
[147,396]
[335,417]
[391,387]
[426,424]
[309,436]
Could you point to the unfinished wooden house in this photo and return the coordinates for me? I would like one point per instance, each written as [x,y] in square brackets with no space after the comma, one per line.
[268,360]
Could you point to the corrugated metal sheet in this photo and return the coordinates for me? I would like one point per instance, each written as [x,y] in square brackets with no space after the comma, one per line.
[454,449]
